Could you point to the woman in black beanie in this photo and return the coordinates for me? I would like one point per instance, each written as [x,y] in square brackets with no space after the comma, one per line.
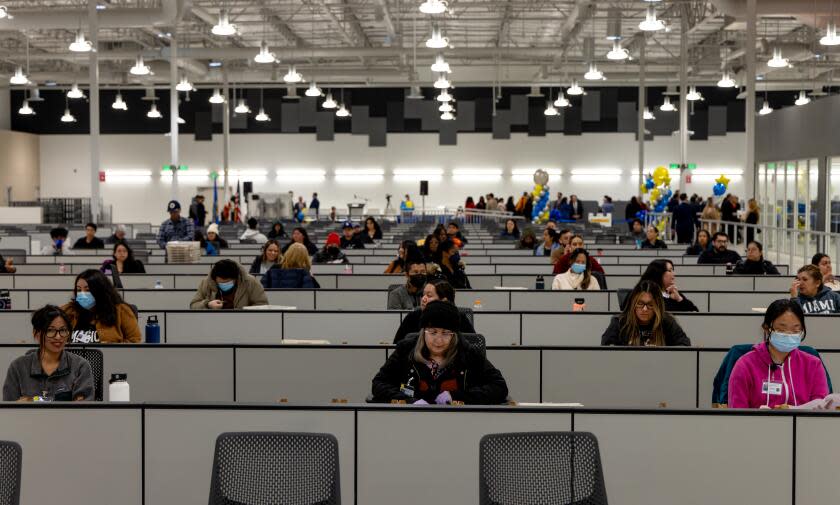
[439,366]
[434,290]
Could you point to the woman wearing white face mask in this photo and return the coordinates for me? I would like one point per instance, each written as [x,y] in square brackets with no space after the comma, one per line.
[579,275]
[776,372]
[98,313]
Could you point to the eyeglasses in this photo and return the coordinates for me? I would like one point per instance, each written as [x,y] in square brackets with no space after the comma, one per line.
[440,335]
[643,306]
[57,332]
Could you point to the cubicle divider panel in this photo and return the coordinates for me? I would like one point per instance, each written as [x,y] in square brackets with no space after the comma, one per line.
[180,445]
[816,446]
[338,328]
[522,371]
[596,301]
[219,327]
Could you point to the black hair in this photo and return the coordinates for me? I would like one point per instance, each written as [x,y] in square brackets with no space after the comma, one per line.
[552,234]
[683,196]
[413,261]
[105,295]
[92,225]
[815,260]
[41,320]
[443,289]
[439,230]
[757,244]
[252,223]
[655,270]
[123,243]
[453,223]
[637,220]
[376,228]
[778,308]
[587,274]
[305,234]
[226,269]
[58,232]
[719,234]
[446,245]
[708,235]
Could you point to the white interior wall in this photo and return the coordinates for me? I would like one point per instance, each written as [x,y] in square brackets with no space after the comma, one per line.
[65,166]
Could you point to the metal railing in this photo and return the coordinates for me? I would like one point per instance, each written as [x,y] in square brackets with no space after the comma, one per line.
[655,218]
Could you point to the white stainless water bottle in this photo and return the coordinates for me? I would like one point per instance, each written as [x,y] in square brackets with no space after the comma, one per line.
[118,390]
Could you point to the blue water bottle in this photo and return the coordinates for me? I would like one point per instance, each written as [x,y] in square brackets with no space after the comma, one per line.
[152,330]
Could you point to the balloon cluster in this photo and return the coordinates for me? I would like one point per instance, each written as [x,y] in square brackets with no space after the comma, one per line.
[539,196]
[658,186]
[721,183]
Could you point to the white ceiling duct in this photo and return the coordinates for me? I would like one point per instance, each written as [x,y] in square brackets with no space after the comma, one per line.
[108,18]
[802,10]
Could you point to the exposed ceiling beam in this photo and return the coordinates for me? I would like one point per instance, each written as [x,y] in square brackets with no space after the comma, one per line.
[388,20]
[504,23]
[358,37]
[568,31]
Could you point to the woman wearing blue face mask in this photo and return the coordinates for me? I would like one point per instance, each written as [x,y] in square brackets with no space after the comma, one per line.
[98,313]
[451,267]
[776,372]
[229,286]
[579,275]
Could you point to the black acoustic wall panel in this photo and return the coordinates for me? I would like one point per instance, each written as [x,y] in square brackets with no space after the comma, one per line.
[465,117]
[448,133]
[665,123]
[609,103]
[359,121]
[591,106]
[573,125]
[536,116]
[501,125]
[377,132]
[699,124]
[483,114]
[555,123]
[717,120]
[735,120]
[429,116]
[289,117]
[238,121]
[627,117]
[519,110]
[413,108]
[217,111]
[325,125]
[396,117]
[203,126]
[307,111]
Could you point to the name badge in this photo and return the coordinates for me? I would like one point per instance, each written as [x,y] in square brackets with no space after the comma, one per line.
[407,391]
[775,388]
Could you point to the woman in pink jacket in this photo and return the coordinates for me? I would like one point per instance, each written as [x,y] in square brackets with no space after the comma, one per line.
[776,372]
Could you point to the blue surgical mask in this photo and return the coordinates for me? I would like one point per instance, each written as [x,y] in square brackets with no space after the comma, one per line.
[578,268]
[85,299]
[59,243]
[226,286]
[785,342]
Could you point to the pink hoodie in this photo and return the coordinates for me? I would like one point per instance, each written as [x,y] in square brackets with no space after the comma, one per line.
[801,376]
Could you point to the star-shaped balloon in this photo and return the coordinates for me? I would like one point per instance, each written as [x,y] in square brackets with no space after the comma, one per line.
[666,181]
[722,180]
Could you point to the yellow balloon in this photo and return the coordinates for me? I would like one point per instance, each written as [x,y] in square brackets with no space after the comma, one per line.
[666,181]
[643,188]
[654,194]
[661,225]
[538,188]
[723,180]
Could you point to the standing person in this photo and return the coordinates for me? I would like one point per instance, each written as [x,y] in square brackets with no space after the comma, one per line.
[48,372]
[300,210]
[315,204]
[579,276]
[333,215]
[491,202]
[661,272]
[197,212]
[300,236]
[252,233]
[755,264]
[753,214]
[331,253]
[776,372]
[118,236]
[809,291]
[270,256]
[407,296]
[684,220]
[577,207]
[607,207]
[510,206]
[98,313]
[652,240]
[719,254]
[123,260]
[728,212]
[481,205]
[228,286]
[90,240]
[711,213]
[644,321]
[823,262]
[175,229]
[520,205]
[451,266]
[58,245]
[630,212]
[555,205]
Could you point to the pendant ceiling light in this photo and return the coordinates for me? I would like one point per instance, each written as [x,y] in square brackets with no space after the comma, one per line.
[437,40]
[4,12]
[313,90]
[262,116]
[292,76]
[79,44]
[593,74]
[550,110]
[446,107]
[651,24]
[440,65]
[67,117]
[765,108]
[25,109]
[433,7]
[342,111]
[726,80]
[139,68]
[574,89]
[447,116]
[184,85]
[153,113]
[442,82]
[830,38]
[444,96]
[217,97]
[264,55]
[75,92]
[667,106]
[119,103]
[648,115]
[330,102]
[693,95]
[19,78]
[223,28]
[618,52]
[181,120]
[803,99]
[777,61]
[562,101]
[241,107]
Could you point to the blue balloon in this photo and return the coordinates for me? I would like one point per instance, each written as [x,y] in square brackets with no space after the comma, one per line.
[649,183]
[641,215]
[719,189]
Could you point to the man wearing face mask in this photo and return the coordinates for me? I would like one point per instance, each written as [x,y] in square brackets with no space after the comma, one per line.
[407,296]
[331,254]
[229,286]
[58,245]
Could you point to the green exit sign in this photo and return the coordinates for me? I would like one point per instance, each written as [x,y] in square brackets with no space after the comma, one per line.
[674,165]
[677,166]
[172,167]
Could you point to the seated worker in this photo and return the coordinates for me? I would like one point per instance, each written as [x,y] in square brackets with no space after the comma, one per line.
[661,273]
[719,254]
[579,276]
[98,313]
[407,296]
[511,230]
[269,257]
[301,236]
[89,241]
[7,266]
[562,259]
[453,231]
[550,242]
[528,240]
[809,292]
[123,260]
[637,231]
[823,262]
[755,264]
[252,233]
[228,286]
[58,245]
[431,249]
[701,243]
[48,373]
[434,290]
[408,248]
[213,242]
[331,254]
[776,372]
[349,239]
[644,321]
[119,235]
[438,366]
[451,266]
[652,240]
[293,273]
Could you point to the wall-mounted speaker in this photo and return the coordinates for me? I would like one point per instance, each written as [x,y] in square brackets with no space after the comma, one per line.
[424,188]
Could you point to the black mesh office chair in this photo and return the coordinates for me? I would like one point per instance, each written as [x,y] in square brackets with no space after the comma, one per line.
[468,312]
[275,467]
[541,467]
[11,457]
[601,278]
[97,364]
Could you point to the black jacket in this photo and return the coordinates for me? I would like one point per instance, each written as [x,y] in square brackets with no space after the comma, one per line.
[470,378]
[659,244]
[411,324]
[288,278]
[763,267]
[674,334]
[695,249]
[685,305]
[458,278]
[353,243]
[96,243]
[327,256]
[712,257]
[310,247]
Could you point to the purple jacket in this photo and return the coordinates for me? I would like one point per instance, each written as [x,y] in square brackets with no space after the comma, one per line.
[800,379]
